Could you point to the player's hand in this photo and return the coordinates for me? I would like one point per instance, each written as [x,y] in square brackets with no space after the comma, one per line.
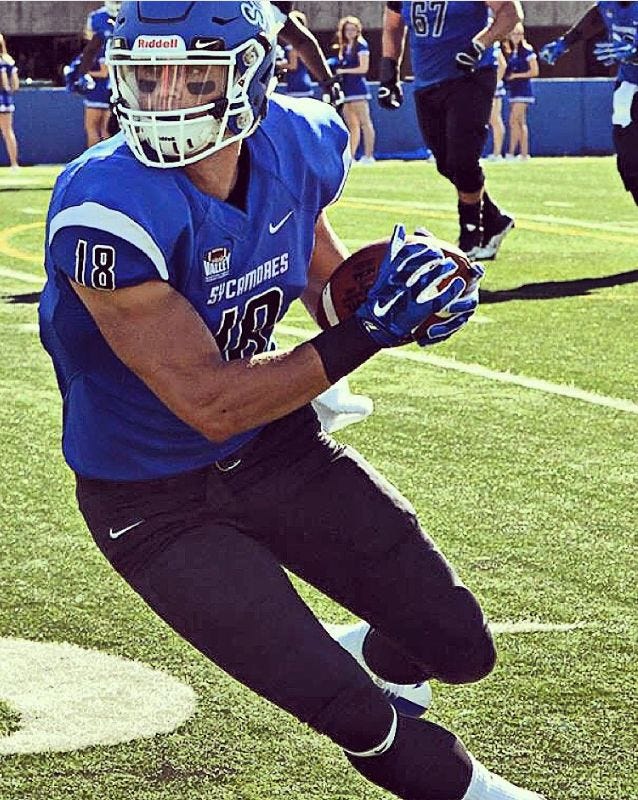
[618,50]
[332,92]
[405,292]
[390,93]
[457,313]
[468,58]
[552,51]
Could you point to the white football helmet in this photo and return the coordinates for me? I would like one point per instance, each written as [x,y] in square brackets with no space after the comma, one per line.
[190,78]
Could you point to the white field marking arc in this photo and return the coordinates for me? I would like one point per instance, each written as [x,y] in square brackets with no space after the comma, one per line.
[562,390]
[62,706]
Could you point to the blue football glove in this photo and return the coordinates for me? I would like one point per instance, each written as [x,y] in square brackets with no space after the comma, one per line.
[404,293]
[552,51]
[618,50]
[468,59]
[457,313]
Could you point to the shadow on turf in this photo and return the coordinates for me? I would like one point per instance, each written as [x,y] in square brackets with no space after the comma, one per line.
[549,290]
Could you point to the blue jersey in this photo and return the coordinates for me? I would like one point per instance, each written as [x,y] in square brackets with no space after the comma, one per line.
[621,19]
[6,95]
[438,30]
[114,222]
[354,86]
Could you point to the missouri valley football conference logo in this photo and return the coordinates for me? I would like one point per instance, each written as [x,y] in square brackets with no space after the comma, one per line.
[216,264]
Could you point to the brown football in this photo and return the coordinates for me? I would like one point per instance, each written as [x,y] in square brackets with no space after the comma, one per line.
[350,283]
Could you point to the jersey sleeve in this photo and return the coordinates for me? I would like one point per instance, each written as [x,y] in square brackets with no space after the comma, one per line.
[363,47]
[333,164]
[113,239]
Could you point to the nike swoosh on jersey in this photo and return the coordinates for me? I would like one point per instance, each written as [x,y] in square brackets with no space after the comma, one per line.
[381,311]
[116,534]
[274,227]
[202,45]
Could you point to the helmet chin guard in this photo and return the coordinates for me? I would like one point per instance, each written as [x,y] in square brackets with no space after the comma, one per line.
[179,97]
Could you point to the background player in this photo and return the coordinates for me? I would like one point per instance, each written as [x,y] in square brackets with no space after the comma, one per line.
[454,64]
[619,21]
[97,111]
[172,251]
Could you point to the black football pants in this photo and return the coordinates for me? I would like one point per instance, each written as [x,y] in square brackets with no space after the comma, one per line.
[626,145]
[208,558]
[453,117]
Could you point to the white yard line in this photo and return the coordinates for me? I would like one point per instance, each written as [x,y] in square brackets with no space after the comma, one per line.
[563,390]
[18,275]
[551,219]
[536,384]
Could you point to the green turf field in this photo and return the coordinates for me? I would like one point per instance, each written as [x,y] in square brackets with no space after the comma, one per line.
[516,441]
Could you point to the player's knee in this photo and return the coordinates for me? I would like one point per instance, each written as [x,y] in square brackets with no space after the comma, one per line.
[470,661]
[358,719]
[460,649]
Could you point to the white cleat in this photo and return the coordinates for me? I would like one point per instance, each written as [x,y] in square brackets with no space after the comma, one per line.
[338,407]
[486,785]
[411,700]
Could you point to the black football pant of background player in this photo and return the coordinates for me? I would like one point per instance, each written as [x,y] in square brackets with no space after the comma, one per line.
[626,145]
[208,560]
[453,118]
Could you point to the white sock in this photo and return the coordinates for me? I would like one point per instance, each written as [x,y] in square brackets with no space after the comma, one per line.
[486,785]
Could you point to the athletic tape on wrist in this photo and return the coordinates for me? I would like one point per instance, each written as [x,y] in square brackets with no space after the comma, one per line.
[343,348]
[385,745]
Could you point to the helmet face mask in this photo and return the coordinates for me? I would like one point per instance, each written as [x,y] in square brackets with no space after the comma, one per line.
[180,99]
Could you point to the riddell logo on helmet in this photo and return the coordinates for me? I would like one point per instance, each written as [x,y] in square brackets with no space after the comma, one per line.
[159,43]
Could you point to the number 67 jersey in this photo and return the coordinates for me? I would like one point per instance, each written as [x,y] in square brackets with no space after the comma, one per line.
[114,222]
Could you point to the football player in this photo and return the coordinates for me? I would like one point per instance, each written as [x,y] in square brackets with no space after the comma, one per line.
[96,91]
[172,251]
[618,22]
[454,60]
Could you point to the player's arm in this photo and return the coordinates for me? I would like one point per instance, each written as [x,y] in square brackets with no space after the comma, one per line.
[506,15]
[4,80]
[157,333]
[393,36]
[305,43]
[328,253]
[390,94]
[590,25]
[89,55]
[14,79]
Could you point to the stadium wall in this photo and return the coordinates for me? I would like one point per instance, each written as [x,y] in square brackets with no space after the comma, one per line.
[570,117]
